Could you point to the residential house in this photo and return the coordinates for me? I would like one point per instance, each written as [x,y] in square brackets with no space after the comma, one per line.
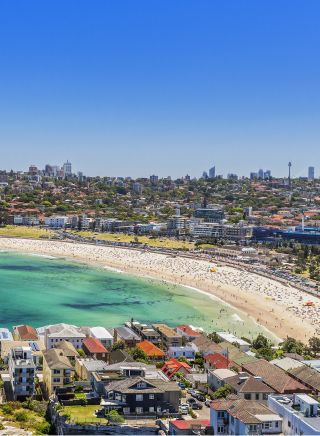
[146,331]
[248,387]
[5,335]
[58,372]
[274,377]
[126,335]
[189,427]
[63,332]
[235,416]
[152,351]
[141,396]
[184,351]
[202,344]
[25,333]
[198,380]
[217,361]
[286,363]
[234,340]
[85,367]
[117,356]
[94,348]
[37,348]
[22,372]
[309,377]
[169,337]
[299,412]
[188,332]
[217,377]
[68,349]
[237,356]
[103,335]
[172,366]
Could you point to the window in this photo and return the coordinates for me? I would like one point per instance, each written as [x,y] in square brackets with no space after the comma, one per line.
[265,396]
[266,425]
[151,409]
[220,429]
[253,427]
[220,414]
[139,397]
[247,396]
[139,409]
[56,371]
[159,409]
[151,396]
[124,398]
[257,396]
[56,380]
[126,410]
[276,424]
[289,424]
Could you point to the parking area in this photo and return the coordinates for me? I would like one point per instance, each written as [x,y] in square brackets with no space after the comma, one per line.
[203,413]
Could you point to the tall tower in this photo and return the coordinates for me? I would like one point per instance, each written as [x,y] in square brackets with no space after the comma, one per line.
[289,166]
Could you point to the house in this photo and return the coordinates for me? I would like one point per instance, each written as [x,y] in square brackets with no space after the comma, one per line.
[37,348]
[126,335]
[5,335]
[22,372]
[146,331]
[141,396]
[217,361]
[85,367]
[172,366]
[202,344]
[234,340]
[151,350]
[216,377]
[62,332]
[187,332]
[286,363]
[299,413]
[57,370]
[68,349]
[184,351]
[169,337]
[274,377]
[25,333]
[189,427]
[309,377]
[248,387]
[237,416]
[198,380]
[237,356]
[94,348]
[117,356]
[104,336]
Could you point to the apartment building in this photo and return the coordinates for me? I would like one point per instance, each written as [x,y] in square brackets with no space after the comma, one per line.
[63,332]
[22,372]
[57,370]
[169,337]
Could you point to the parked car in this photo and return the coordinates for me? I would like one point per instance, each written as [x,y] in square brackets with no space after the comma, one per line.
[191,400]
[196,406]
[191,391]
[181,385]
[201,397]
[184,409]
[208,403]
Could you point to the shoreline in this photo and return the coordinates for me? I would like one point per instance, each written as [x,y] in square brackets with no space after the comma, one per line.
[242,290]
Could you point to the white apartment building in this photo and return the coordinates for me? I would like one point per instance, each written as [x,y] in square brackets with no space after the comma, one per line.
[22,371]
[221,231]
[56,222]
[53,334]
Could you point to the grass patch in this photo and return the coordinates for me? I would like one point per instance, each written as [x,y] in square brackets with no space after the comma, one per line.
[151,242]
[82,414]
[25,232]
[80,395]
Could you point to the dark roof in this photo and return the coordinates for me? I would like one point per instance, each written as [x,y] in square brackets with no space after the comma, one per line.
[118,356]
[306,375]
[294,356]
[274,377]
[250,384]
[154,386]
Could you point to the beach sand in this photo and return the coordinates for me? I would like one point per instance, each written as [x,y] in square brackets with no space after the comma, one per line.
[274,305]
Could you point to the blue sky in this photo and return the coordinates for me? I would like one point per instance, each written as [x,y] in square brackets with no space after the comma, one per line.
[135,87]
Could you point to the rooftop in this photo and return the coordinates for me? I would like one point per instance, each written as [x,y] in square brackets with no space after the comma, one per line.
[150,349]
[166,331]
[93,345]
[101,333]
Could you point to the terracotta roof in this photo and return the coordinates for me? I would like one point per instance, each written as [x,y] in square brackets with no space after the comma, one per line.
[188,330]
[307,375]
[274,377]
[251,384]
[182,424]
[150,349]
[173,365]
[26,332]
[218,361]
[93,345]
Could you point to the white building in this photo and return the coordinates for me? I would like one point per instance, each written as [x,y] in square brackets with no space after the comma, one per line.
[61,332]
[103,335]
[299,413]
[177,352]
[232,339]
[19,220]
[67,169]
[22,371]
[56,222]
[221,231]
[5,335]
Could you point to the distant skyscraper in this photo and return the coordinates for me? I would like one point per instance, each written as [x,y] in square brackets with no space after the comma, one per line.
[67,169]
[212,173]
[204,175]
[260,174]
[253,176]
[267,174]
[311,173]
[154,179]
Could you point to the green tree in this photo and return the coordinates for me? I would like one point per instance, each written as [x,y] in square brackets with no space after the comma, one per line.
[314,345]
[114,417]
[222,392]
[292,345]
[260,342]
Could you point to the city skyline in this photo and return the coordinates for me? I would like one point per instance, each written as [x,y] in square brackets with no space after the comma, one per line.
[133,88]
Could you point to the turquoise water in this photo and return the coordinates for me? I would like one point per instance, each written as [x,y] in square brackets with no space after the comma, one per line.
[42,290]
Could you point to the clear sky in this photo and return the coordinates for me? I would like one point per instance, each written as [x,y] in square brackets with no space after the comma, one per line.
[135,87]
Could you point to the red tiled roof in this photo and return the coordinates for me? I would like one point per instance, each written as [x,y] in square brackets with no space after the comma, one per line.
[150,349]
[173,365]
[27,333]
[93,345]
[218,361]
[182,424]
[188,330]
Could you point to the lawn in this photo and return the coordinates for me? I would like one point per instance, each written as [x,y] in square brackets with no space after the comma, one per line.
[25,232]
[152,242]
[83,413]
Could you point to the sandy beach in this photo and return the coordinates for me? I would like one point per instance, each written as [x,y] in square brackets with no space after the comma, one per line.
[277,307]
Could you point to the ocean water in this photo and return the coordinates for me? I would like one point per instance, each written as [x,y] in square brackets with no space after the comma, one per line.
[43,290]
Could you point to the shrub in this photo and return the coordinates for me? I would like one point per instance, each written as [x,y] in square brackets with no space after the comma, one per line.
[43,428]
[7,408]
[114,417]
[21,416]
